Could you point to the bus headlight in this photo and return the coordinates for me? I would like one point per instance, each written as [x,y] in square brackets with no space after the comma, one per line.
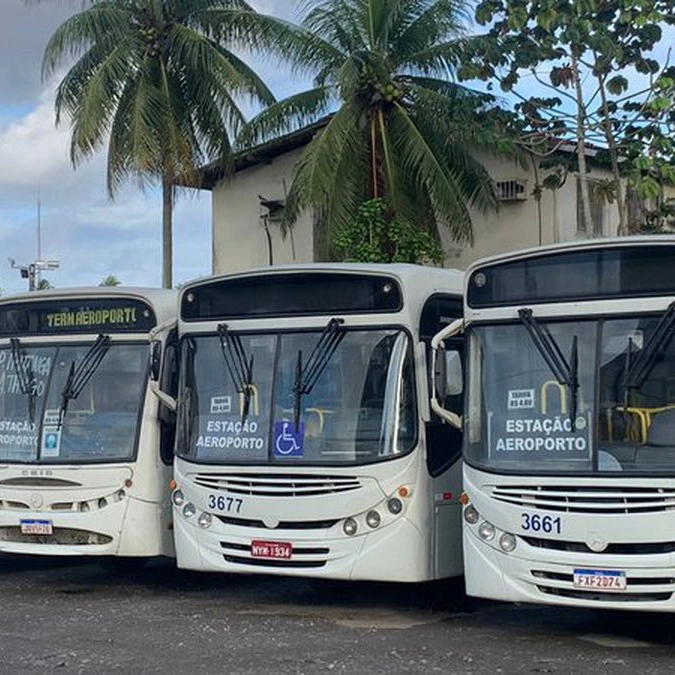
[486,531]
[373,519]
[178,498]
[350,526]
[507,542]
[204,519]
[471,515]
[102,503]
[189,510]
[395,505]
[84,507]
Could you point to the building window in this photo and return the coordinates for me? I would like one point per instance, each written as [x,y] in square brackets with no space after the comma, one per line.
[597,209]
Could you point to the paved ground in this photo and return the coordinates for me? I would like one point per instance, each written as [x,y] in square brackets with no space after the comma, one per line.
[71,616]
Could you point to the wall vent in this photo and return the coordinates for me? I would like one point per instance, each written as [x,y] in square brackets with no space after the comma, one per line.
[511,190]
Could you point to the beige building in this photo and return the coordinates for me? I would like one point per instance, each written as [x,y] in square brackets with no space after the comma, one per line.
[247,210]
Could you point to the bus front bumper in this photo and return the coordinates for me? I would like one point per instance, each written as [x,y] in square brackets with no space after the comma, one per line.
[525,575]
[114,528]
[377,555]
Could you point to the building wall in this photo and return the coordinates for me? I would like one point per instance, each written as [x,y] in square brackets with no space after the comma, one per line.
[240,242]
[524,223]
[239,238]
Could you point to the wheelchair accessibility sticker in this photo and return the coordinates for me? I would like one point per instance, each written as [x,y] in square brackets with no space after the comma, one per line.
[288,441]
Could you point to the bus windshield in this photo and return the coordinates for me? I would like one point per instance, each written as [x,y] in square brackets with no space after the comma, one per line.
[300,398]
[625,398]
[57,404]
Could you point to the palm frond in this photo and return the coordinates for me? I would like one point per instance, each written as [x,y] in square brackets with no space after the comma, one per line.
[436,22]
[441,60]
[286,116]
[100,24]
[272,38]
[326,176]
[340,23]
[454,92]
[88,95]
[432,176]
[200,55]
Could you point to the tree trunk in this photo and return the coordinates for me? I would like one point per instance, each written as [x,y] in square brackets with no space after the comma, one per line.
[167,233]
[614,158]
[581,147]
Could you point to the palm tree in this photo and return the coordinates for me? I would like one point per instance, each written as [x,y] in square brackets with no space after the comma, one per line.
[397,127]
[43,285]
[110,280]
[155,83]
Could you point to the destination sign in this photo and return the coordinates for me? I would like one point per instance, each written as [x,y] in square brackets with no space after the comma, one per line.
[93,315]
[291,294]
[608,271]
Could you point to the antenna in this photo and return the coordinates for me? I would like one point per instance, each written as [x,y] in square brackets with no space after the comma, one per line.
[32,270]
[39,231]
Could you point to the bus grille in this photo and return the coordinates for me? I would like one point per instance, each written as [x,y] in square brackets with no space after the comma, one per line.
[587,499]
[61,536]
[283,525]
[639,589]
[277,485]
[637,548]
[317,557]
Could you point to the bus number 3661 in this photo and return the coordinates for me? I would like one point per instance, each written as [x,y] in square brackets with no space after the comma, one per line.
[533,522]
[222,503]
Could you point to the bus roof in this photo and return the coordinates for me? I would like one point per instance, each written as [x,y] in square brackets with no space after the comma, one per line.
[442,277]
[585,244]
[233,291]
[617,268]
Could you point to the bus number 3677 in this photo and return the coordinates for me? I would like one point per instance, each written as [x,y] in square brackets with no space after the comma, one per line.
[533,522]
[222,503]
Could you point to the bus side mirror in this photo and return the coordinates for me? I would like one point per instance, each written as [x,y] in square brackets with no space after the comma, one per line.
[155,360]
[448,376]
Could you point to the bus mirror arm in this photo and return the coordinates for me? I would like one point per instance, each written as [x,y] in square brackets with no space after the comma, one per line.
[164,398]
[454,328]
[161,328]
[457,326]
[453,419]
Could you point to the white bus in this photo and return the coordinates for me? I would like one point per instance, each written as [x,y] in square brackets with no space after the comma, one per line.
[569,454]
[85,450]
[305,444]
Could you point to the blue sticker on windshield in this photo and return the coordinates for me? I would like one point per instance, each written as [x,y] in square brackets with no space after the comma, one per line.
[288,442]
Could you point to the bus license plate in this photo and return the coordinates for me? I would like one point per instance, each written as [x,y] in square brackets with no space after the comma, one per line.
[600,580]
[32,526]
[271,549]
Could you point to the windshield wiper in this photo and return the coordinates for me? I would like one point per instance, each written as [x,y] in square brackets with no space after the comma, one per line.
[79,376]
[306,376]
[25,376]
[238,366]
[639,367]
[565,372]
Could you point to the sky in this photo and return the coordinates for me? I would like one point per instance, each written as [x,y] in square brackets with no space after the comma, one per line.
[89,235]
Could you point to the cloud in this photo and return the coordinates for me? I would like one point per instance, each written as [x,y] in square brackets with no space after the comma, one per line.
[31,147]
